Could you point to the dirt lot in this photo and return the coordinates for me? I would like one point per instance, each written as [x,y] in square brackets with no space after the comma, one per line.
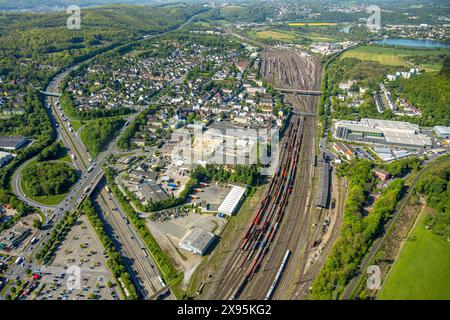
[169,233]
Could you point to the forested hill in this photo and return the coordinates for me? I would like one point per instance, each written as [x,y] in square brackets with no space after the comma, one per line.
[36,45]
[39,4]
[430,92]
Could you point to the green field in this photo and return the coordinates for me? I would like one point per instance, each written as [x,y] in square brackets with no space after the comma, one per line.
[423,269]
[391,56]
[274,34]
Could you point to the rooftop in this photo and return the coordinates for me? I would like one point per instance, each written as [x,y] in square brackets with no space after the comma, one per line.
[152,191]
[197,238]
[231,201]
[9,142]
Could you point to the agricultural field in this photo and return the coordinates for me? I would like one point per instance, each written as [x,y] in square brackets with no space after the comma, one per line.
[422,270]
[392,56]
[312,24]
[274,34]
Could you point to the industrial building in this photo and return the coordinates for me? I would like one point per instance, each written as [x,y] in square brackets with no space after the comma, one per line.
[5,158]
[197,241]
[151,192]
[232,200]
[385,132]
[442,132]
[12,143]
[13,238]
[323,189]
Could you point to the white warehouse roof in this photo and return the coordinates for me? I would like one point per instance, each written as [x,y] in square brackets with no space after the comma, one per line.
[231,201]
[442,130]
[197,241]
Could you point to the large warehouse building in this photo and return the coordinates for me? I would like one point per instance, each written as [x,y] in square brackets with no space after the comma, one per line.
[442,132]
[197,241]
[386,132]
[232,200]
[323,190]
[12,143]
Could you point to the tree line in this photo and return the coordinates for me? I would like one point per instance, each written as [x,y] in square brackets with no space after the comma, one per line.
[358,231]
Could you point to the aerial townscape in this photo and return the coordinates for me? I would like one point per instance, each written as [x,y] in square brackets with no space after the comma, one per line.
[224,150]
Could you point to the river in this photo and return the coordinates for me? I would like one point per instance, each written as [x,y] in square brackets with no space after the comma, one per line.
[430,44]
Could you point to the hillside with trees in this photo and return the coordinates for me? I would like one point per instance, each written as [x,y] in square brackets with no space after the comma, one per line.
[358,230]
[435,187]
[98,133]
[431,93]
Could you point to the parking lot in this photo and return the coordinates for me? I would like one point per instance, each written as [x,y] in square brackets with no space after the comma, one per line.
[82,250]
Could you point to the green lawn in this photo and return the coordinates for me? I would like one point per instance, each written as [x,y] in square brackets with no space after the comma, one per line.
[391,56]
[274,34]
[423,269]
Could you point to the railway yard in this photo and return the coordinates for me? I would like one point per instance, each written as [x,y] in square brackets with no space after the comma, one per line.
[272,252]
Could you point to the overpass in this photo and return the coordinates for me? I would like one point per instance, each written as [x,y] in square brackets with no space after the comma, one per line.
[51,94]
[299,91]
[305,114]
[161,294]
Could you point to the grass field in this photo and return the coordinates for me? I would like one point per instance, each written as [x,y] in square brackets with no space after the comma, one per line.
[391,56]
[272,34]
[423,269]
[312,24]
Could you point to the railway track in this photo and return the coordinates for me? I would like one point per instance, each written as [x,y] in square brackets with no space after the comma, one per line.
[282,222]
[260,234]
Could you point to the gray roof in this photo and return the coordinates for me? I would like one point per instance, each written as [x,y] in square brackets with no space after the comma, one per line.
[198,238]
[324,185]
[153,191]
[11,142]
[144,174]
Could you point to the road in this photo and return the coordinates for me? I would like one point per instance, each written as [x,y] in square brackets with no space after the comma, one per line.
[281,223]
[84,187]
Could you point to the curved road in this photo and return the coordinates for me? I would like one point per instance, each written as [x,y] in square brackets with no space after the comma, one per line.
[88,179]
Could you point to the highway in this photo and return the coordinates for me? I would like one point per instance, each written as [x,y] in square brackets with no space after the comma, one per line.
[83,188]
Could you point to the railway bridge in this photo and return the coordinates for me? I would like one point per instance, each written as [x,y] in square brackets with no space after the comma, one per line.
[299,91]
[51,94]
[305,114]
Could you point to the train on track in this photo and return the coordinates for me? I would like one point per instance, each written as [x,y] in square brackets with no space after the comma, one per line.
[265,224]
[278,276]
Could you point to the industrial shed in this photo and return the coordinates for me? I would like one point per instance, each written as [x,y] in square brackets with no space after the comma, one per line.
[197,241]
[323,189]
[442,132]
[232,200]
